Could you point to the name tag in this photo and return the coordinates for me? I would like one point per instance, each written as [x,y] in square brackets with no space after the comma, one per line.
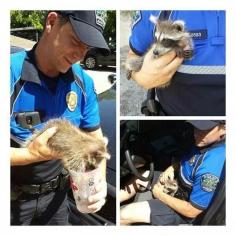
[198,34]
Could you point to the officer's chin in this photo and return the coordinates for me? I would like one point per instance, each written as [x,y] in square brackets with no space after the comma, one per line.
[200,144]
[65,69]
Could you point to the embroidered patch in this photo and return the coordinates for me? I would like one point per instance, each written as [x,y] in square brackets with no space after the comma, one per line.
[71,100]
[198,34]
[209,182]
[101,18]
[135,17]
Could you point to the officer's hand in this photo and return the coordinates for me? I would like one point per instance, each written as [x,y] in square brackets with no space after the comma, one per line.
[168,174]
[157,71]
[98,199]
[38,149]
[158,190]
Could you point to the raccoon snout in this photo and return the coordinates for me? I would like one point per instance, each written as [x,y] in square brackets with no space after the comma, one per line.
[155,52]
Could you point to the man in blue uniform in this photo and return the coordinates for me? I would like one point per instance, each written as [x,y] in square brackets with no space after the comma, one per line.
[198,85]
[198,175]
[46,83]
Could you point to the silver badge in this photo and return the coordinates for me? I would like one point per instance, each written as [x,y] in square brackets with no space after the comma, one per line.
[192,160]
[71,100]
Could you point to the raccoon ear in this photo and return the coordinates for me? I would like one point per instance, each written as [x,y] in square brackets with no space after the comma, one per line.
[107,156]
[105,140]
[180,25]
[99,155]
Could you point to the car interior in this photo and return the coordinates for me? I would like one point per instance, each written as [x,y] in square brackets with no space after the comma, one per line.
[155,145]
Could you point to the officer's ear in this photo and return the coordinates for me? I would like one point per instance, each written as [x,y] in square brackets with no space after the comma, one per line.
[50,21]
[222,131]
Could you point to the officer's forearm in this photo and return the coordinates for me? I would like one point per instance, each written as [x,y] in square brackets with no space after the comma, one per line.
[20,156]
[183,207]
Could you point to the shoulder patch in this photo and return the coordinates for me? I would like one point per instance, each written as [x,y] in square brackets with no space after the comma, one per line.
[135,17]
[209,182]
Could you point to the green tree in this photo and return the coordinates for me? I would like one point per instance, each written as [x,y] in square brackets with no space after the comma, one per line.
[28,19]
[110,29]
[36,19]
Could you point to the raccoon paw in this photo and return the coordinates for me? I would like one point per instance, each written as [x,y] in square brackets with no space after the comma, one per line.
[188,54]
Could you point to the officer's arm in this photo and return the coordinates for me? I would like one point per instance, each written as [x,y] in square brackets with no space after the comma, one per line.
[36,151]
[183,207]
[156,72]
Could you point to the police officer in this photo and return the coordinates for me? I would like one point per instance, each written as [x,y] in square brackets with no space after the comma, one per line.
[198,175]
[198,85]
[46,83]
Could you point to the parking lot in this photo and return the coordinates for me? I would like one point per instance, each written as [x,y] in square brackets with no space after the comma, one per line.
[131,94]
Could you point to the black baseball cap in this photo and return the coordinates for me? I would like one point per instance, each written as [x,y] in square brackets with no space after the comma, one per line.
[205,124]
[89,26]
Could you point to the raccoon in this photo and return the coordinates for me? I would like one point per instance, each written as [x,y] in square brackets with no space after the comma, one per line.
[170,187]
[169,36]
[78,150]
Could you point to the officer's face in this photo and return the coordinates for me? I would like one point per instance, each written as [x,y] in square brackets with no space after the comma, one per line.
[65,48]
[206,137]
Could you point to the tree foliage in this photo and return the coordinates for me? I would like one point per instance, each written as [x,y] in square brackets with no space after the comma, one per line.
[36,19]
[28,19]
[110,29]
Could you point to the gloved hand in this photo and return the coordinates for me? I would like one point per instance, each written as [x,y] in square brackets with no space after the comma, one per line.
[99,198]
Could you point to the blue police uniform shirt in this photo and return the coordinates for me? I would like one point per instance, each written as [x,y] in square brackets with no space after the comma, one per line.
[35,95]
[198,86]
[201,171]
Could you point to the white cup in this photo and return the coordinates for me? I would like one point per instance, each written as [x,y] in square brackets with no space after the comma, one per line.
[83,186]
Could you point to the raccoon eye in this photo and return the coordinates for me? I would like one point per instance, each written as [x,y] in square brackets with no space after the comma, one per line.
[178,27]
[167,43]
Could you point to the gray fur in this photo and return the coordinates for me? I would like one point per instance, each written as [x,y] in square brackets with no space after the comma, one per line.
[171,187]
[78,150]
[169,36]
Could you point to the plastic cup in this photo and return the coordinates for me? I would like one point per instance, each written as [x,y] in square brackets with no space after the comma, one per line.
[83,186]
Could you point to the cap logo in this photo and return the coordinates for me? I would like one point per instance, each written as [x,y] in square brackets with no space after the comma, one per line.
[101,18]
[71,100]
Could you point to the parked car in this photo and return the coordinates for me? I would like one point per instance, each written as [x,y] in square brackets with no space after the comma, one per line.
[95,57]
[155,145]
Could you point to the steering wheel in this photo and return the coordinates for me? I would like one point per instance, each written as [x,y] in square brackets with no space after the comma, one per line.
[135,171]
[125,147]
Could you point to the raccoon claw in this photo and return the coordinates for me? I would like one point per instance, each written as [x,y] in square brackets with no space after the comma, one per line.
[188,54]
[179,52]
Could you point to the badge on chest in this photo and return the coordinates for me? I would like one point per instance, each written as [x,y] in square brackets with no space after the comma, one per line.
[71,100]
